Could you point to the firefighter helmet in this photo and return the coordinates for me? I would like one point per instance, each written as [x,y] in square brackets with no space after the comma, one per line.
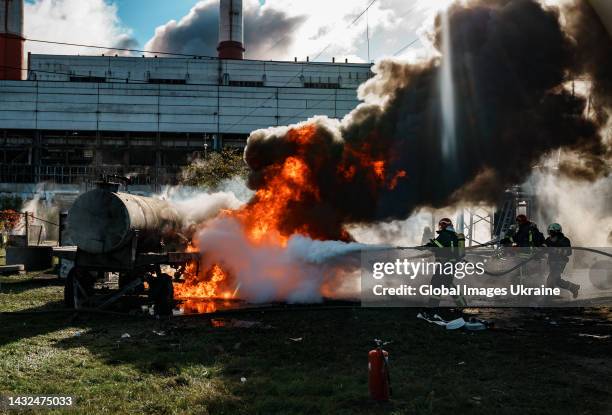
[445,223]
[554,227]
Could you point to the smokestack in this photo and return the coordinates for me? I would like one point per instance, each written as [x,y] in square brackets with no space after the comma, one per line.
[231,41]
[11,39]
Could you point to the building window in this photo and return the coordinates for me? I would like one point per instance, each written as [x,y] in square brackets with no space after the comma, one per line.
[246,83]
[321,85]
[98,79]
[167,81]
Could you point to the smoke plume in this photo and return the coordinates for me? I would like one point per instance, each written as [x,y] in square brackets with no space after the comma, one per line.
[511,62]
[593,55]
[197,33]
[583,209]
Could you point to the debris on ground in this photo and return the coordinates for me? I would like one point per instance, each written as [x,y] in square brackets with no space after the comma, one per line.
[455,324]
[473,324]
[436,319]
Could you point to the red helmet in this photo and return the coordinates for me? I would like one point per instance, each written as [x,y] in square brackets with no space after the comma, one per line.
[444,223]
[521,219]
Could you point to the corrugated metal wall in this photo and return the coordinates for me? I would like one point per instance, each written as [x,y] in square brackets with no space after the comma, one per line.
[79,117]
[206,102]
[44,105]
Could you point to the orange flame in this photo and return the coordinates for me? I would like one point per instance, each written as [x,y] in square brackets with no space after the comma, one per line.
[214,283]
[287,183]
[393,183]
[262,217]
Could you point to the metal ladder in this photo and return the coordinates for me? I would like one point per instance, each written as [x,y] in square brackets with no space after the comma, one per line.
[506,216]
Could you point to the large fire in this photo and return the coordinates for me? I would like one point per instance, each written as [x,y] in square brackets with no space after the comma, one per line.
[266,219]
[262,217]
[210,284]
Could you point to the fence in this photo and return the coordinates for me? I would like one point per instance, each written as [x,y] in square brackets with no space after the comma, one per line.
[27,229]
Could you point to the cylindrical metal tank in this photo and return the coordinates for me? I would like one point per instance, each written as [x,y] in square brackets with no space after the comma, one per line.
[231,40]
[102,221]
[11,39]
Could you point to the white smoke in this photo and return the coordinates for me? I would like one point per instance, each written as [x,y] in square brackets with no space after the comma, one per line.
[303,271]
[43,216]
[407,232]
[583,209]
[196,205]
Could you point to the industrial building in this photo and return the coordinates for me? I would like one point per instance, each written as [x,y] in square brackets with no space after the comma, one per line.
[65,120]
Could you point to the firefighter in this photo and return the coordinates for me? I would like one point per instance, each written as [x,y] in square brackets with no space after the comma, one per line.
[507,241]
[525,234]
[558,256]
[451,248]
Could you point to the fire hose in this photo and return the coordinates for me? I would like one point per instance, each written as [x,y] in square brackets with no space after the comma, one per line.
[537,255]
[517,266]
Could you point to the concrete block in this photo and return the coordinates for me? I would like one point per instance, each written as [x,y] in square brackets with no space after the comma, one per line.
[34,258]
[12,269]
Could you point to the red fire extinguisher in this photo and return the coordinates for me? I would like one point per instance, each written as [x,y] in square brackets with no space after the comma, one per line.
[379,381]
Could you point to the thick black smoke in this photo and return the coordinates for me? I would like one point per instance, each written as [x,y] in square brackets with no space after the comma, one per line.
[267,32]
[594,58]
[510,62]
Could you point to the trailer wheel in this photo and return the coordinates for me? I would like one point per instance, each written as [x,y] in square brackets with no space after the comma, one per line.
[84,279]
[161,291]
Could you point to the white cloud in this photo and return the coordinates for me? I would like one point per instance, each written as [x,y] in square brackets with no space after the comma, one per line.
[392,25]
[317,28]
[92,22]
[319,25]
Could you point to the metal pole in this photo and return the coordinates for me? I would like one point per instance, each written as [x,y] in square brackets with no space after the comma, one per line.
[27,229]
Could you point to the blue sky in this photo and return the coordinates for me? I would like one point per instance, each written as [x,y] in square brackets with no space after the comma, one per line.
[143,16]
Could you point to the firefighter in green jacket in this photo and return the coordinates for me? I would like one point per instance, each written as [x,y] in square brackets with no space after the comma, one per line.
[451,248]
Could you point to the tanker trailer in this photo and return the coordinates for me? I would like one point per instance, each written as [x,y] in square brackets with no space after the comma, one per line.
[119,232]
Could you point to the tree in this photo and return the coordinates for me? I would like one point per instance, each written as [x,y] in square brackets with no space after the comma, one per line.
[217,167]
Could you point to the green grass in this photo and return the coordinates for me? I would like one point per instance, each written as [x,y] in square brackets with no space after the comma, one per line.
[538,368]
